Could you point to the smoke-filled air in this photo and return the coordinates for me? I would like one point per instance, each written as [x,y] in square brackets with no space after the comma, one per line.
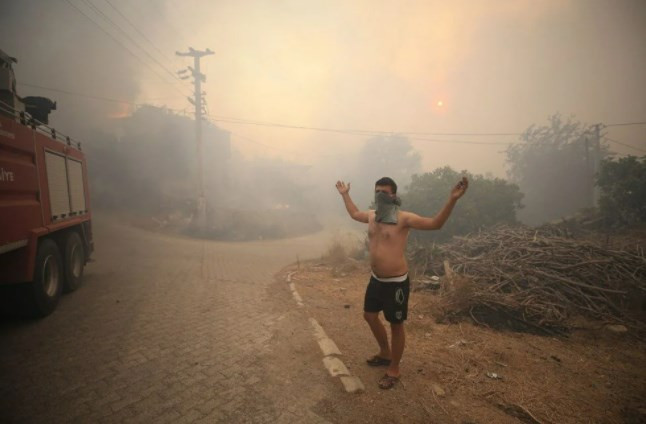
[228,173]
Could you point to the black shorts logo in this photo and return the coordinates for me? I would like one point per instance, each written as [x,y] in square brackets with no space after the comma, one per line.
[398,315]
[399,296]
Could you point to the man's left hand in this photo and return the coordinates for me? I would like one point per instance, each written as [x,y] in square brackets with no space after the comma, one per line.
[460,188]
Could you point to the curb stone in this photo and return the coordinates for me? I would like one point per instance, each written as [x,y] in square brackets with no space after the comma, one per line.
[334,365]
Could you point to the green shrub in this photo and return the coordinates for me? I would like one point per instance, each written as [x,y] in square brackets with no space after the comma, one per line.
[622,183]
[488,201]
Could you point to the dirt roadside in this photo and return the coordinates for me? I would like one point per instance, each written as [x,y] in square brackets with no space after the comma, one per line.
[591,376]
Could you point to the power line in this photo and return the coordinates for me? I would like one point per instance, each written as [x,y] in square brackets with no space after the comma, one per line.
[123,32]
[79,10]
[234,120]
[485,143]
[624,144]
[368,132]
[137,29]
[269,124]
[90,96]
[350,131]
[121,44]
[376,132]
[299,127]
[355,132]
[72,93]
[625,124]
[463,134]
[293,152]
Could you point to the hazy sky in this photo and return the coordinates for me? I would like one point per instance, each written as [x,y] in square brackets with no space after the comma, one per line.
[496,66]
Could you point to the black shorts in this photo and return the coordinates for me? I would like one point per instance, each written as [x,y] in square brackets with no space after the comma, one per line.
[392,298]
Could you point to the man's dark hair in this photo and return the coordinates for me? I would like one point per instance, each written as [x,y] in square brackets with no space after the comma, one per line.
[387,181]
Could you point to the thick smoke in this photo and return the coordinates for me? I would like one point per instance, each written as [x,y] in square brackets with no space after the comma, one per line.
[56,47]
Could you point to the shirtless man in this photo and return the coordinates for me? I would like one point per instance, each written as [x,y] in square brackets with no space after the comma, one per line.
[388,288]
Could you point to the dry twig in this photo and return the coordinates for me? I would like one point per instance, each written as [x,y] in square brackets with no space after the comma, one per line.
[538,277]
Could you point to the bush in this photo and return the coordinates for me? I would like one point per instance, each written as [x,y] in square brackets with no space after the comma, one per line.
[489,201]
[344,246]
[622,184]
[551,165]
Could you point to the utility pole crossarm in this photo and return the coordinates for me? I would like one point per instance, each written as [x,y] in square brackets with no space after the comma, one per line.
[195,53]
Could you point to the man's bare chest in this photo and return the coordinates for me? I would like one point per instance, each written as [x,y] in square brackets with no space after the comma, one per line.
[386,232]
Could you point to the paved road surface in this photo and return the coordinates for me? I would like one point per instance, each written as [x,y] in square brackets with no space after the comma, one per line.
[169,330]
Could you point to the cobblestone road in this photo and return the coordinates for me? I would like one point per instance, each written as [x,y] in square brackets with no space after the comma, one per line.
[169,330]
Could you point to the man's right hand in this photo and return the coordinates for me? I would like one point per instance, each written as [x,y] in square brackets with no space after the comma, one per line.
[460,188]
[342,187]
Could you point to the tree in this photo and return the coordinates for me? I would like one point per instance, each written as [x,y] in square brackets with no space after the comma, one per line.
[489,201]
[152,166]
[553,167]
[623,190]
[384,156]
[152,170]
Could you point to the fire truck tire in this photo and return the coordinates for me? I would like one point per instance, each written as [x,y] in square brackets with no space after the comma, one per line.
[74,262]
[45,289]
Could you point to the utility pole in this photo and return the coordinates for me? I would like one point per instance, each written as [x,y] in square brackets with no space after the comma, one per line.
[589,168]
[596,166]
[198,79]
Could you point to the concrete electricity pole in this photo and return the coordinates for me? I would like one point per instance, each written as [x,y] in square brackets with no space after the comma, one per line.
[597,163]
[198,79]
[593,161]
[590,173]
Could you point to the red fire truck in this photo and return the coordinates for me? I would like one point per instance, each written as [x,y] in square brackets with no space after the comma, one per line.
[45,217]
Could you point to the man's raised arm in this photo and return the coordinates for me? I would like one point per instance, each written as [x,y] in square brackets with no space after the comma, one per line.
[435,223]
[352,209]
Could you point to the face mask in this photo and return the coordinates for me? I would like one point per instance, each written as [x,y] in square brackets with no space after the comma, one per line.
[387,208]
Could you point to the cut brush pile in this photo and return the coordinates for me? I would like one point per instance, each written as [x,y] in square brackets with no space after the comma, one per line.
[537,279]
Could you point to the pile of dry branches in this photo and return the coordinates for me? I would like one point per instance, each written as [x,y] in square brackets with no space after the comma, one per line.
[540,278]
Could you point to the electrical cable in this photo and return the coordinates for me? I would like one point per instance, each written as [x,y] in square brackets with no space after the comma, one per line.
[124,33]
[139,31]
[90,96]
[269,124]
[625,124]
[122,45]
[347,131]
[624,144]
[482,143]
[354,132]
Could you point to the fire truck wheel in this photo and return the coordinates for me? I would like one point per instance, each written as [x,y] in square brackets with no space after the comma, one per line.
[45,290]
[74,262]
